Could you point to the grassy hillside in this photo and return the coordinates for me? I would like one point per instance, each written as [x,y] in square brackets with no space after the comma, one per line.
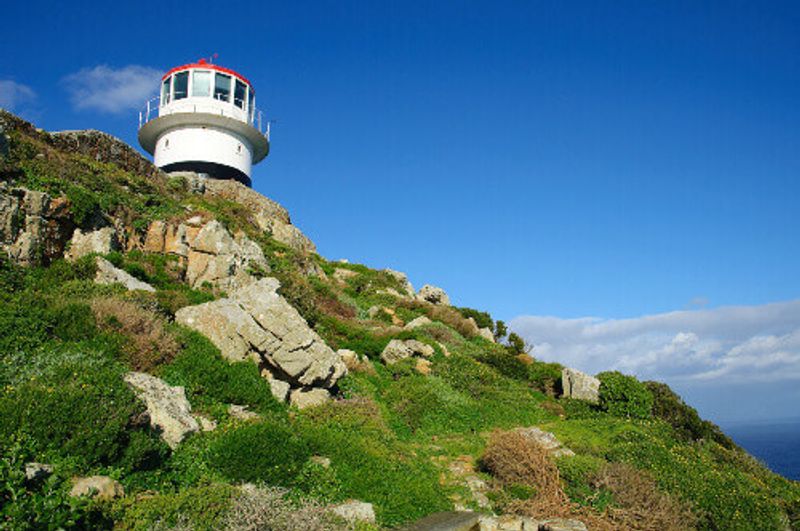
[402,437]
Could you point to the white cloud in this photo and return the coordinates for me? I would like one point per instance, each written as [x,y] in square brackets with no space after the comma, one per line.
[110,90]
[13,95]
[725,345]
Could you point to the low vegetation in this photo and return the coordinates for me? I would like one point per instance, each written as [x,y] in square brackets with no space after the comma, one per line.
[644,459]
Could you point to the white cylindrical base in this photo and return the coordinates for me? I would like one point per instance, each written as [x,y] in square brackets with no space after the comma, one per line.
[203,144]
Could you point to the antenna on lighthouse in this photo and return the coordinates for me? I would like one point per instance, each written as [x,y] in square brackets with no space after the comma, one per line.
[213,56]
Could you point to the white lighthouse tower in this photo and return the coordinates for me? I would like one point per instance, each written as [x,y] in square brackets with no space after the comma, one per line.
[205,120]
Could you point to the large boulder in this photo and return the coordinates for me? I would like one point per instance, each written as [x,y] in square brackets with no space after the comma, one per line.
[100,241]
[167,406]
[416,323]
[398,349]
[108,274]
[433,295]
[256,322]
[579,385]
[403,279]
[34,228]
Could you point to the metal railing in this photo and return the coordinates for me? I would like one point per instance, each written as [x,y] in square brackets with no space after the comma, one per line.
[254,117]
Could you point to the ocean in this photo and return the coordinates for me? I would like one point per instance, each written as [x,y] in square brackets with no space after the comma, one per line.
[776,443]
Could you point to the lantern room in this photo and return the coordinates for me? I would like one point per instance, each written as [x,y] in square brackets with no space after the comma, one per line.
[205,120]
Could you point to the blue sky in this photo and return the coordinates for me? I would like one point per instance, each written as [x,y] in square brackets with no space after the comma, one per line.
[582,160]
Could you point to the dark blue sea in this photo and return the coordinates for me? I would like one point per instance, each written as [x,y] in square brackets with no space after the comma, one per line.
[776,443]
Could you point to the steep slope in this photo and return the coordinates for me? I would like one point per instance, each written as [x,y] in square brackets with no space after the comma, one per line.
[207,350]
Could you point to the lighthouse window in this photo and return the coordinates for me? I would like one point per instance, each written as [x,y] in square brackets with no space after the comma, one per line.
[222,87]
[165,91]
[201,83]
[250,107]
[239,94]
[180,87]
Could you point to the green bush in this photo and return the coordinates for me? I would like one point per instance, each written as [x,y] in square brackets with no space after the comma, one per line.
[45,504]
[546,377]
[211,380]
[261,452]
[577,473]
[668,406]
[482,319]
[83,204]
[624,396]
[74,321]
[370,463]
[70,400]
[200,508]
[507,364]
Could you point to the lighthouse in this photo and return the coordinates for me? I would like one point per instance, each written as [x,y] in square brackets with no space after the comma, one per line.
[205,120]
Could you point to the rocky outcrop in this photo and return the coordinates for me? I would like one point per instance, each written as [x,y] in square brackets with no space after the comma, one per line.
[486,333]
[579,385]
[398,349]
[266,214]
[167,407]
[108,274]
[97,487]
[256,323]
[99,241]
[103,147]
[211,254]
[402,278]
[433,295]
[546,440]
[34,228]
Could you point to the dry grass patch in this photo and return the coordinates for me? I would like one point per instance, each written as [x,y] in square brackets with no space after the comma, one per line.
[148,344]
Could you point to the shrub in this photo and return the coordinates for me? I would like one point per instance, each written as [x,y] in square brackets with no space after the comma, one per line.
[70,401]
[83,204]
[668,406]
[39,505]
[638,501]
[451,317]
[546,377]
[624,396]
[148,343]
[261,452]
[209,379]
[201,508]
[482,319]
[514,460]
[270,508]
[74,322]
[507,365]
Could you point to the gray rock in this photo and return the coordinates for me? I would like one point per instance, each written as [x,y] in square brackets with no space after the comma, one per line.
[279,388]
[100,241]
[309,397]
[206,424]
[37,471]
[398,349]
[433,295]
[508,522]
[486,333]
[355,511]
[447,521]
[546,440]
[167,406]
[403,279]
[97,487]
[416,323]
[561,524]
[579,385]
[241,412]
[256,322]
[108,274]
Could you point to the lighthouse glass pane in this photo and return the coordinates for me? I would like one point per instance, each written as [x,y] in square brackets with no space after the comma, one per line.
[250,103]
[201,83]
[180,88]
[222,87]
[165,91]
[238,94]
